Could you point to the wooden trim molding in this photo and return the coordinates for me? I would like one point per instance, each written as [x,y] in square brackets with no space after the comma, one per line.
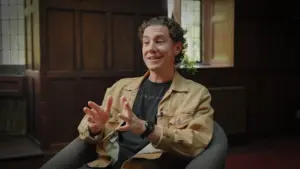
[11,86]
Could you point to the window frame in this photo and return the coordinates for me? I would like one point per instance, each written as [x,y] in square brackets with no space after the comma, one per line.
[207,59]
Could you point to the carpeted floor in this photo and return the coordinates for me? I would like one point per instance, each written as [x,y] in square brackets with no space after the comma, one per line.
[266,154]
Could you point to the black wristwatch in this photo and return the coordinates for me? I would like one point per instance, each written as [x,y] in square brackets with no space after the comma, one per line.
[150,126]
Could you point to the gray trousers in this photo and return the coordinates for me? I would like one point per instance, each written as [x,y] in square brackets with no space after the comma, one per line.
[74,156]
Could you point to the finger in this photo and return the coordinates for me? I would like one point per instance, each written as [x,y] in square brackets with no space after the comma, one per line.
[124,128]
[109,104]
[92,125]
[123,99]
[128,109]
[125,103]
[96,114]
[125,118]
[88,112]
[126,106]
[95,106]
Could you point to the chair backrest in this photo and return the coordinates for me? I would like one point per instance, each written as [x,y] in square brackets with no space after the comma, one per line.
[214,156]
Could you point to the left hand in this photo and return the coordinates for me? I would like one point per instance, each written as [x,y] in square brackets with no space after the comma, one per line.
[133,123]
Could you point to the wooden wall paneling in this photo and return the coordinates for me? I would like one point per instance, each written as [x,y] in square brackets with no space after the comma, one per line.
[234,108]
[61,40]
[123,42]
[12,106]
[35,116]
[11,86]
[31,114]
[125,6]
[65,4]
[39,116]
[60,106]
[139,63]
[109,58]
[93,41]
[153,7]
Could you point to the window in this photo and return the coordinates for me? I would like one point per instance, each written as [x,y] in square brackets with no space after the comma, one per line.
[210,30]
[12,38]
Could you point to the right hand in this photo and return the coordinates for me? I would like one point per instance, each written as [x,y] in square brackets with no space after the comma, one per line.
[97,116]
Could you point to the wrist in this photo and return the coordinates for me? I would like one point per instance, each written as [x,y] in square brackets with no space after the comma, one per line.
[148,129]
[94,132]
[142,127]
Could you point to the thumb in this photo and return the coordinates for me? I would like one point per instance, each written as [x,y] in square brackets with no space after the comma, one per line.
[124,128]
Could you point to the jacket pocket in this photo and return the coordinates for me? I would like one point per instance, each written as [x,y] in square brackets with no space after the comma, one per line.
[181,120]
[163,118]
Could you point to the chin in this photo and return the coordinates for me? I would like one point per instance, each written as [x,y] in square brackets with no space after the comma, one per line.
[154,67]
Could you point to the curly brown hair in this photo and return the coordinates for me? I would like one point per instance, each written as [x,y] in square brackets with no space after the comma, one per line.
[176,32]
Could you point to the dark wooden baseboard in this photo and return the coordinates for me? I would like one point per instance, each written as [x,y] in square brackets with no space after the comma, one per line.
[238,139]
[17,147]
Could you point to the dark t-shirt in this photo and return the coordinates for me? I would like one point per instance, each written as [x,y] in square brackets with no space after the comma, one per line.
[145,108]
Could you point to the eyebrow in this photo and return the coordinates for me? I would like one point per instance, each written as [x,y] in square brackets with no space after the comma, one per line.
[157,36]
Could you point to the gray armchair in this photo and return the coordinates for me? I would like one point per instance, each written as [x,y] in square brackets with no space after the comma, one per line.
[214,157]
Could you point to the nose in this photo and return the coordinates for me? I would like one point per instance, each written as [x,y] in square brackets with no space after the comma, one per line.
[151,47]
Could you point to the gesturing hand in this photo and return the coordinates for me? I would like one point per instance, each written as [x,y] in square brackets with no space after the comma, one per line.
[97,116]
[133,123]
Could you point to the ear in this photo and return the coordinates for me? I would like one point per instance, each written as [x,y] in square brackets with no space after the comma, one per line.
[178,47]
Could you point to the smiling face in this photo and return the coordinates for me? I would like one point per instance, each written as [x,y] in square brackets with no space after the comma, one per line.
[158,48]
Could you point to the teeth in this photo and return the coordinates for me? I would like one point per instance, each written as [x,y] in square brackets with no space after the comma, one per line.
[154,58]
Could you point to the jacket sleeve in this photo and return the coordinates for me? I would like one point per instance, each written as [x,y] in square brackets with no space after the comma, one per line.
[83,129]
[194,137]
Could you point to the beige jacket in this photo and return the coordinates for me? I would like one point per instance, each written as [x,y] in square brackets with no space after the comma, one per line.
[184,114]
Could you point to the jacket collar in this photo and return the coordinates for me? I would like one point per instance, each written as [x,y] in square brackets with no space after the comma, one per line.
[178,82]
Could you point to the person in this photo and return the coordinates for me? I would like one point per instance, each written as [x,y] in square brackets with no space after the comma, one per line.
[158,120]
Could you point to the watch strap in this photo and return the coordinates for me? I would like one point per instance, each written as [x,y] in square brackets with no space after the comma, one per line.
[150,126]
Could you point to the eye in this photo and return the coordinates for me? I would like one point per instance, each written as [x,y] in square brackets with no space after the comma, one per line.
[145,42]
[160,41]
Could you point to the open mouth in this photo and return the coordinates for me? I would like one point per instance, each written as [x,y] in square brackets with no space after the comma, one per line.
[154,57]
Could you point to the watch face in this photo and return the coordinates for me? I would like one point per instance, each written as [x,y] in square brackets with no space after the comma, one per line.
[149,129]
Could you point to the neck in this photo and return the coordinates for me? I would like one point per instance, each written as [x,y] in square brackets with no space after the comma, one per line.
[162,76]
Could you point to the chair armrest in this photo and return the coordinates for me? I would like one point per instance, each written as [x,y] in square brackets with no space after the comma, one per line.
[214,156]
